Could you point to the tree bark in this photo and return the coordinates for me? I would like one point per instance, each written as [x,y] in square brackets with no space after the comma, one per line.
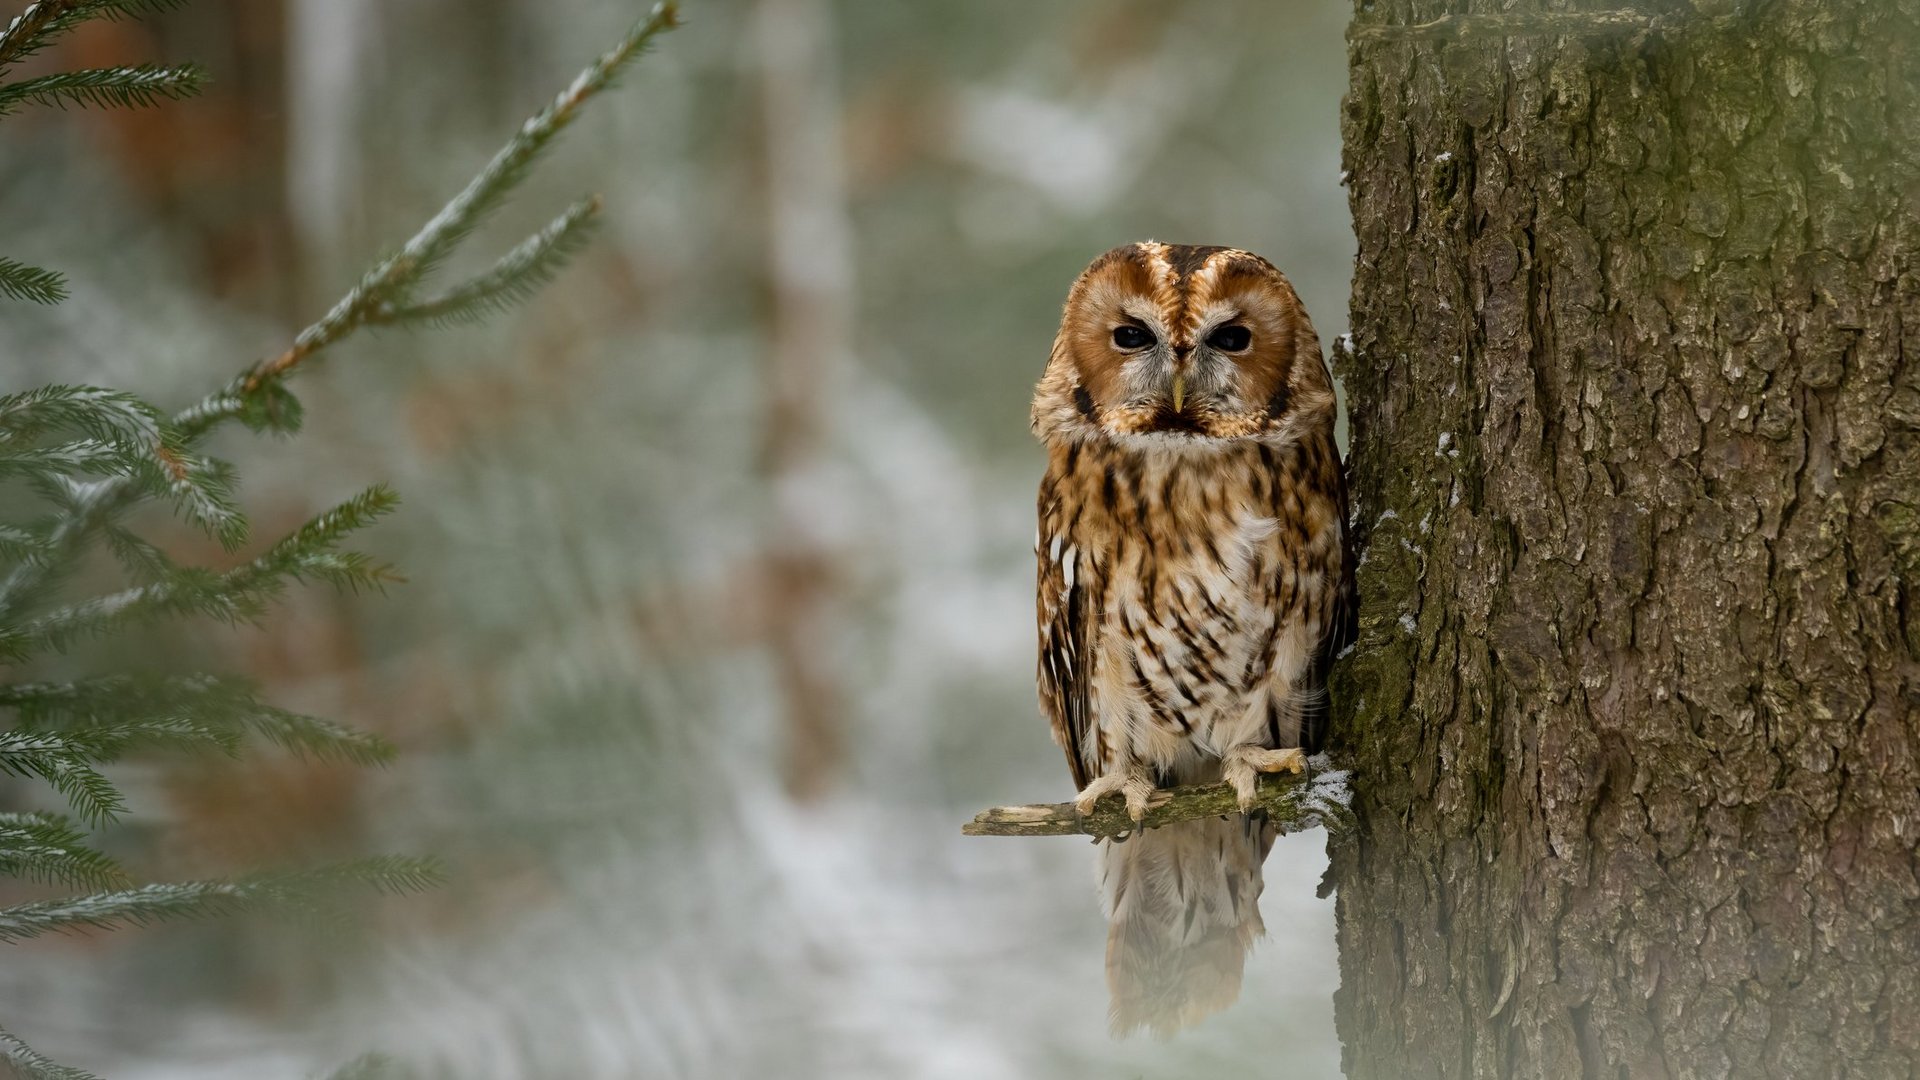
[1635,391]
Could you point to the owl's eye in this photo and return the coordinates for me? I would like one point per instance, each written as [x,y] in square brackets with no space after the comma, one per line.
[1131,337]
[1230,338]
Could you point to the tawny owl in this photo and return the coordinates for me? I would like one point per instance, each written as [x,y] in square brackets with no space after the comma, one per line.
[1195,580]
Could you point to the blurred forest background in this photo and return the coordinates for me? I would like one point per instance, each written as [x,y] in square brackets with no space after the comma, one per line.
[719,612]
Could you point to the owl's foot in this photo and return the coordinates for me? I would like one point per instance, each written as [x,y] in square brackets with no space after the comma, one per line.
[1133,785]
[1242,766]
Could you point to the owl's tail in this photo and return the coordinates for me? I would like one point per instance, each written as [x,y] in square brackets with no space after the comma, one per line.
[1182,907]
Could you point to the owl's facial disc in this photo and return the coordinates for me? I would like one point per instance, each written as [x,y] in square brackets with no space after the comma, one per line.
[1187,342]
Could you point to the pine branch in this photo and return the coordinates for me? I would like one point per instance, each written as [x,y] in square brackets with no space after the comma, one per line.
[85,513]
[232,597]
[27,1064]
[80,456]
[511,165]
[258,397]
[32,29]
[318,737]
[201,489]
[36,27]
[515,277]
[106,415]
[18,281]
[142,905]
[21,544]
[132,87]
[66,762]
[390,281]
[115,10]
[390,875]
[309,551]
[1293,803]
[65,759]
[239,595]
[46,848]
[226,704]
[148,904]
[124,437]
[143,561]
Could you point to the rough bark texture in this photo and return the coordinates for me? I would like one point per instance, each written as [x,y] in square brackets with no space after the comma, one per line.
[1635,393]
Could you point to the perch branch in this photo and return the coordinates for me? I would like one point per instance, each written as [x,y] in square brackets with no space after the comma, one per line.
[1293,803]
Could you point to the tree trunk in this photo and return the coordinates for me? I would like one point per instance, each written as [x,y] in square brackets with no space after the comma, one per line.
[1635,392]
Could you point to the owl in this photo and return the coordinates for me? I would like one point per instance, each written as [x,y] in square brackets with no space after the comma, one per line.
[1195,580]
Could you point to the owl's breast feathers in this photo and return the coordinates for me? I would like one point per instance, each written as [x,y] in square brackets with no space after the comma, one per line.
[1189,599]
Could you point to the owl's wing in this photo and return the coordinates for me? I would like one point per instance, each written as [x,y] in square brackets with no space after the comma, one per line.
[1342,622]
[1066,653]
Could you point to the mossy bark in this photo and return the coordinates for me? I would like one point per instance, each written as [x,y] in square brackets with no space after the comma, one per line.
[1635,393]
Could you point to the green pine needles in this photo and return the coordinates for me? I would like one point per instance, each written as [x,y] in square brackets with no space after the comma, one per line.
[79,460]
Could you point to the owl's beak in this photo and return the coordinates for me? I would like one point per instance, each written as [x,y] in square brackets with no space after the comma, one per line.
[1179,391]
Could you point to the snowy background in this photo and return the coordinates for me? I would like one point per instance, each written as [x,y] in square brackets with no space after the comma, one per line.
[625,590]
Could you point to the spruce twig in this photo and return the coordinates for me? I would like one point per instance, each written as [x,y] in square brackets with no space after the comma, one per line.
[66,762]
[29,1064]
[222,703]
[29,30]
[516,276]
[147,904]
[42,21]
[47,848]
[18,281]
[388,283]
[126,440]
[233,596]
[135,86]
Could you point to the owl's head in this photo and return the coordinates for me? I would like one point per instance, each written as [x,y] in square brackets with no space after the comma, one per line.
[1173,345]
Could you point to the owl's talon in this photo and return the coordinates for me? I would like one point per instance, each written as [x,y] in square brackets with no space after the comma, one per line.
[1135,786]
[1242,766]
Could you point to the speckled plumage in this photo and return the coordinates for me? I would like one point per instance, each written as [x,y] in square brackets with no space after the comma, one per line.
[1194,581]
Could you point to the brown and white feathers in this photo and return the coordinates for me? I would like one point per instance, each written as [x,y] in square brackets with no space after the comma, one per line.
[1194,582]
